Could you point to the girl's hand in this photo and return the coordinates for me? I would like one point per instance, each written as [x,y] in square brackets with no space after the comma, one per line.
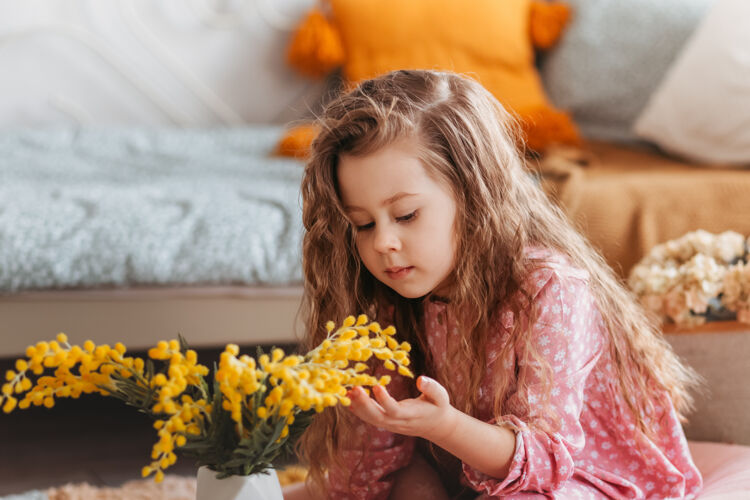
[429,416]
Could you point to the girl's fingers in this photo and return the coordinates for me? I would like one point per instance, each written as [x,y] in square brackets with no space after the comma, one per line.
[433,391]
[386,401]
[365,407]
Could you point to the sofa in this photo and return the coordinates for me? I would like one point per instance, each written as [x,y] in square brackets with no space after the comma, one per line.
[141,195]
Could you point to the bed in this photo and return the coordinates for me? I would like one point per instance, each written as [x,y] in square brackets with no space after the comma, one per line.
[138,195]
[133,234]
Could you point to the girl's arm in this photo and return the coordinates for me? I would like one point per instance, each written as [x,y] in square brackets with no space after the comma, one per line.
[486,447]
[569,334]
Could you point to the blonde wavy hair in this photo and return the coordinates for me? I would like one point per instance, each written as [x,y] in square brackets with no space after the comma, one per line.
[467,140]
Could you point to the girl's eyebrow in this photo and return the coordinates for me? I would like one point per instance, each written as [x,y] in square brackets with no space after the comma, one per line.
[389,201]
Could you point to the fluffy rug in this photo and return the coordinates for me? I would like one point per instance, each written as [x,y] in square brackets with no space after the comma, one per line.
[172,488]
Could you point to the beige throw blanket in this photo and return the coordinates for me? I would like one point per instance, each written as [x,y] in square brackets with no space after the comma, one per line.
[627,200]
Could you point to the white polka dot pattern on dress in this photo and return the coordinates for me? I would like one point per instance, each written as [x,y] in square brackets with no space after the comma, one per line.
[593,453]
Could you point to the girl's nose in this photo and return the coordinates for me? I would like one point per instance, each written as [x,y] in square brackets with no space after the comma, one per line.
[386,240]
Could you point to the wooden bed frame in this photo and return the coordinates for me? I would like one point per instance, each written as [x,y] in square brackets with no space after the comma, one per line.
[139,317]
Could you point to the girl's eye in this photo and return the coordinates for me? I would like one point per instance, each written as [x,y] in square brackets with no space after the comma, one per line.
[407,217]
[403,218]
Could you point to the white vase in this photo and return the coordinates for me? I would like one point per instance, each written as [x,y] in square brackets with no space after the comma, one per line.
[253,487]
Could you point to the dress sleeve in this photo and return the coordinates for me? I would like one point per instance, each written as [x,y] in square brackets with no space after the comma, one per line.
[567,334]
[372,455]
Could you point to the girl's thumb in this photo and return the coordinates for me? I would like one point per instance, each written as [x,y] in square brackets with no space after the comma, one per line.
[433,390]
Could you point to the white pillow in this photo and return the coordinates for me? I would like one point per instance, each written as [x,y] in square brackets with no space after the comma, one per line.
[701,111]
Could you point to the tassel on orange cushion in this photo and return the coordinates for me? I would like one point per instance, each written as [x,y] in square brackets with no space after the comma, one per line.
[316,48]
[296,141]
[547,22]
[543,127]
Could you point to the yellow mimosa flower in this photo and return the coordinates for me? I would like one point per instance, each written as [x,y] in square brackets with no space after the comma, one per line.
[171,386]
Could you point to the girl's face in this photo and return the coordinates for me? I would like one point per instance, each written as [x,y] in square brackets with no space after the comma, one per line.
[403,219]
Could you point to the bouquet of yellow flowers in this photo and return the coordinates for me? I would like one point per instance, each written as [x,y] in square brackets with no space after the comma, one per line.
[251,414]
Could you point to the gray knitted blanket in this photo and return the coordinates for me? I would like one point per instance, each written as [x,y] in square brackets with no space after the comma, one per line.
[115,207]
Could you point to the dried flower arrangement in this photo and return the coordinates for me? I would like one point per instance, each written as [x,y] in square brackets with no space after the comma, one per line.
[696,278]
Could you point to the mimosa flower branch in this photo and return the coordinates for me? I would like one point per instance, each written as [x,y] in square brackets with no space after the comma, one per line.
[253,412]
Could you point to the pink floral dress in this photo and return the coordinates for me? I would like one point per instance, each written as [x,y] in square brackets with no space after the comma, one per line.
[592,455]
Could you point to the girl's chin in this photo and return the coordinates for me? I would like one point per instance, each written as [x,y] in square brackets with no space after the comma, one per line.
[409,288]
[412,292]
[409,292]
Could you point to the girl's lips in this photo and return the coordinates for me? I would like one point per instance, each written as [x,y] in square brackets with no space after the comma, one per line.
[396,273]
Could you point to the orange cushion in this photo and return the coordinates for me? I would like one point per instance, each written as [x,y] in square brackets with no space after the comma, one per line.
[489,40]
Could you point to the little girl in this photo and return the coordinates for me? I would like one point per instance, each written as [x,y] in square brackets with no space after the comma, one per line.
[542,376]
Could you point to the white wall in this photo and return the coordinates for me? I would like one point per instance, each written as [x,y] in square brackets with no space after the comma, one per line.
[150,62]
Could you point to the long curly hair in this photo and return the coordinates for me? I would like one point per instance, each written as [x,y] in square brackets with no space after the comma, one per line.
[468,140]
